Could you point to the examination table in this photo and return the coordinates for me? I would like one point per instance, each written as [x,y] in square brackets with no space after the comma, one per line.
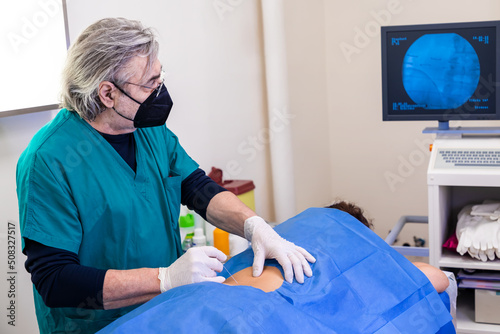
[359,285]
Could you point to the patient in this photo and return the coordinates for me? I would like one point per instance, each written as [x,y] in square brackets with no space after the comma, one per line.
[271,278]
[360,284]
[438,279]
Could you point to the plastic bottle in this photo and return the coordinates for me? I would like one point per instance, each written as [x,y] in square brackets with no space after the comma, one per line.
[187,243]
[221,241]
[186,227]
[199,238]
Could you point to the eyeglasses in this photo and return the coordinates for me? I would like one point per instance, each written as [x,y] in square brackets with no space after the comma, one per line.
[156,89]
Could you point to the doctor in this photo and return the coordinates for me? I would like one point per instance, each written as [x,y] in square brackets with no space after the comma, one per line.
[100,189]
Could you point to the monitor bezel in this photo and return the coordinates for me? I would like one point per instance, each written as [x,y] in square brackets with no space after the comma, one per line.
[386,116]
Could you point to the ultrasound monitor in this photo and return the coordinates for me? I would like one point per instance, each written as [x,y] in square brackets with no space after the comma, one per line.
[441,72]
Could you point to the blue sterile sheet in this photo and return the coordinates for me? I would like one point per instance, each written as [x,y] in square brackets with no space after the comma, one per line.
[359,285]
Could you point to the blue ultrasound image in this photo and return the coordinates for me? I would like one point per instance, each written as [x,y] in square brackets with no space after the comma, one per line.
[440,71]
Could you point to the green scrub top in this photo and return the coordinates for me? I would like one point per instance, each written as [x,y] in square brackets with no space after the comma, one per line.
[77,193]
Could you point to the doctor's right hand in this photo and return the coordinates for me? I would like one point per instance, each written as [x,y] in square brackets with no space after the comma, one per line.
[198,264]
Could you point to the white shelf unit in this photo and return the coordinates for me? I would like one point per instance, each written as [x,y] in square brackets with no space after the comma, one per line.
[449,190]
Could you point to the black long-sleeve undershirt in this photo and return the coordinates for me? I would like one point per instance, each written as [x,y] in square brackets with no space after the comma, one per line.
[61,280]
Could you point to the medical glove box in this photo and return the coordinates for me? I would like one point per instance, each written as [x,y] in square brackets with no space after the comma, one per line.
[487,306]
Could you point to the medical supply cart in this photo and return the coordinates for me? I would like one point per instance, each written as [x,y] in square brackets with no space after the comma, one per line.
[464,168]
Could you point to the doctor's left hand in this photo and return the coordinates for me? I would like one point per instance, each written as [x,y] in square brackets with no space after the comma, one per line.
[267,244]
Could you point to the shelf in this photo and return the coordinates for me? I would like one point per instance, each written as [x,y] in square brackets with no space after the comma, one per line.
[466,316]
[454,260]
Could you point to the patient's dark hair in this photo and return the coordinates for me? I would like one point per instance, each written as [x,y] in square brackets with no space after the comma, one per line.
[353,210]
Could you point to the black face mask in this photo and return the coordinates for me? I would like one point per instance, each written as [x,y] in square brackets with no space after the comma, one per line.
[153,111]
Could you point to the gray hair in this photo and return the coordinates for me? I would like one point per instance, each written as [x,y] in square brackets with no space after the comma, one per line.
[101,53]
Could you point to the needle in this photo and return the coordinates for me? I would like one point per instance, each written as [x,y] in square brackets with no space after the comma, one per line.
[230,274]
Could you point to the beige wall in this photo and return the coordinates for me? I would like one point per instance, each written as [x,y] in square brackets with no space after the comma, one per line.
[308,91]
[364,150]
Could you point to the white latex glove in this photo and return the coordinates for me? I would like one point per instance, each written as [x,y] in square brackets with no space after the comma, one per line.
[485,239]
[465,219]
[267,244]
[198,264]
[488,209]
[466,241]
[477,235]
[466,226]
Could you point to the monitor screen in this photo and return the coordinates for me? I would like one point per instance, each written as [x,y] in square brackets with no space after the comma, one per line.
[441,71]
